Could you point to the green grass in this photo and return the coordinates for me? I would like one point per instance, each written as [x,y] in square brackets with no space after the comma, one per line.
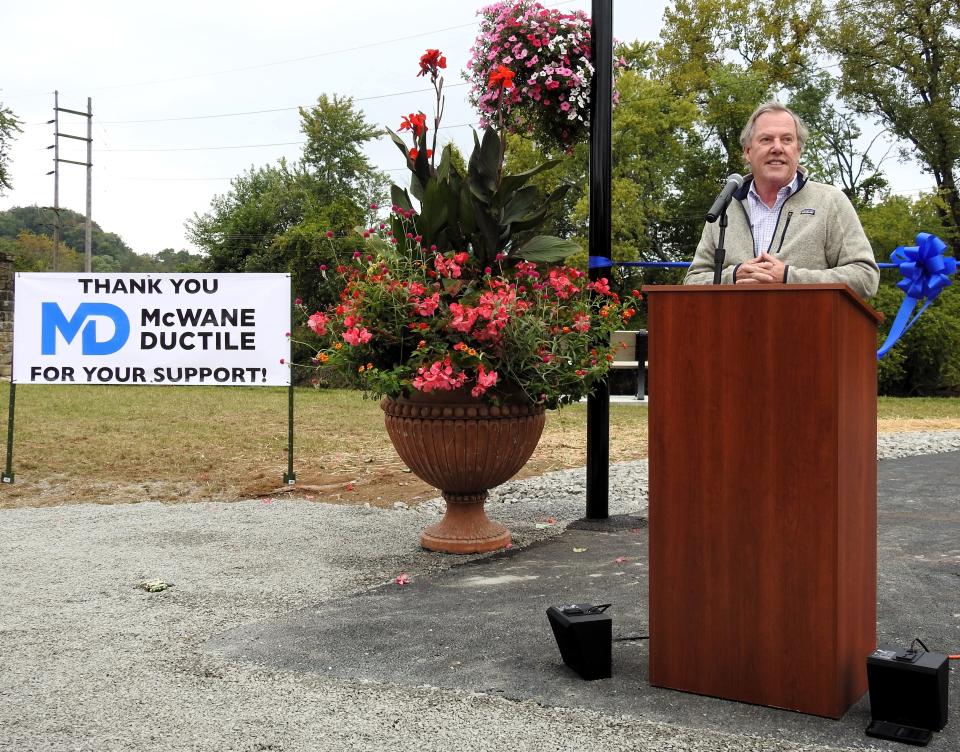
[918,408]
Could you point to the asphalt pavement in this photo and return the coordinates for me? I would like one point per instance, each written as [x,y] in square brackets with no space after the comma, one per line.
[482,627]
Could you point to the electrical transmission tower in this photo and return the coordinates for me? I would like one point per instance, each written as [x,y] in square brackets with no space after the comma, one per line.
[88,236]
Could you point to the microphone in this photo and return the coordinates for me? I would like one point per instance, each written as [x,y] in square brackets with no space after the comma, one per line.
[734,183]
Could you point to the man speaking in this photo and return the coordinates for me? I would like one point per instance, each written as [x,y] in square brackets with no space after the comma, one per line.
[783,228]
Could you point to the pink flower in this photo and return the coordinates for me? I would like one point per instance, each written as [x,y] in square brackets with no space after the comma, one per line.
[318,323]
[427,306]
[581,322]
[402,579]
[463,317]
[561,284]
[485,380]
[447,268]
[357,336]
[439,376]
[601,286]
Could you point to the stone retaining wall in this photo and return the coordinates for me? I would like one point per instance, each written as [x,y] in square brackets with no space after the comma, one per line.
[6,314]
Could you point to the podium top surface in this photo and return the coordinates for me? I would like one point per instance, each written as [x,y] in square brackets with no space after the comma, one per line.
[855,299]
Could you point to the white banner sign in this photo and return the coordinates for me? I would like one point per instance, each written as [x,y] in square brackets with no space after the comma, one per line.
[167,329]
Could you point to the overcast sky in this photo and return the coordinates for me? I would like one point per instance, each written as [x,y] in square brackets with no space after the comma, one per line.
[187,95]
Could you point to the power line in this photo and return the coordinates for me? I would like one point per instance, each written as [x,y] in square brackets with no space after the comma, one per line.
[276,109]
[211,148]
[288,61]
[326,53]
[173,180]
[247,146]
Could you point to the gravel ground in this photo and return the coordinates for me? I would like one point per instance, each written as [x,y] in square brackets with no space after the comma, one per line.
[89,661]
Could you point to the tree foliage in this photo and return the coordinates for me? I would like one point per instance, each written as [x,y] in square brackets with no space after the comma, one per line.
[276,218]
[9,127]
[34,253]
[109,252]
[900,61]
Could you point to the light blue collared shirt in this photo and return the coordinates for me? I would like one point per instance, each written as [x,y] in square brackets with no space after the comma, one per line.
[763,218]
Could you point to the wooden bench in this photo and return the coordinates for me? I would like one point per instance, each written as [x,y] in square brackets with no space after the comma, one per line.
[630,351]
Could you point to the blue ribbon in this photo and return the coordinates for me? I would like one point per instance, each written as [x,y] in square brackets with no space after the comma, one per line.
[926,271]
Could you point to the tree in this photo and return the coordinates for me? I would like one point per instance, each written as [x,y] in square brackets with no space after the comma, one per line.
[276,218]
[169,260]
[733,54]
[900,61]
[9,126]
[34,253]
[333,154]
[730,55]
[896,220]
[239,227]
[113,253]
[832,154]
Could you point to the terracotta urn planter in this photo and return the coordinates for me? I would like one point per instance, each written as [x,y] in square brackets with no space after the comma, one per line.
[463,447]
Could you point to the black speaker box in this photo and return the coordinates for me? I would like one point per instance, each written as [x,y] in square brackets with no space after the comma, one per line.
[908,687]
[584,635]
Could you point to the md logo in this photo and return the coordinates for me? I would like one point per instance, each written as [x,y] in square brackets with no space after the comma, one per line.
[52,320]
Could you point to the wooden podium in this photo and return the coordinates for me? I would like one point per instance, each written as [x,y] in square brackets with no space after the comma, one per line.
[763,493]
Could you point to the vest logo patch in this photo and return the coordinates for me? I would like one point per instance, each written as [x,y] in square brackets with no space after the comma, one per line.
[808,211]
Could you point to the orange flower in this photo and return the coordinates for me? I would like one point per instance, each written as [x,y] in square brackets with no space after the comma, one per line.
[501,77]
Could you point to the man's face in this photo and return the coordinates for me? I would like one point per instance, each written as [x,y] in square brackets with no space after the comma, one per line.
[773,151]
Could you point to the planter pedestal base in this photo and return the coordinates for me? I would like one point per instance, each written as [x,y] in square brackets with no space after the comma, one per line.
[459,444]
[465,527]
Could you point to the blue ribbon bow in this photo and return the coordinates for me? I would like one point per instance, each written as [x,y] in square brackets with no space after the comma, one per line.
[926,271]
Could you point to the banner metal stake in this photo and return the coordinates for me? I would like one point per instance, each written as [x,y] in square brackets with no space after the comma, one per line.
[8,473]
[289,477]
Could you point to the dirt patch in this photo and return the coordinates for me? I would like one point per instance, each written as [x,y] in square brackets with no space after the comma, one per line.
[377,477]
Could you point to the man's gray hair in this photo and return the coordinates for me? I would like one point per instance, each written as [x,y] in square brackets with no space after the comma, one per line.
[773,106]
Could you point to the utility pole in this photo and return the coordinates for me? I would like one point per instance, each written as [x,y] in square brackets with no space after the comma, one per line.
[88,235]
[56,176]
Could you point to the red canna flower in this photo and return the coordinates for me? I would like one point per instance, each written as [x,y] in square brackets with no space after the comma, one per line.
[415,152]
[501,77]
[431,61]
[415,122]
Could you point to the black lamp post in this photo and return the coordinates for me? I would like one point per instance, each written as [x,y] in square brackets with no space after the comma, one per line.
[601,104]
